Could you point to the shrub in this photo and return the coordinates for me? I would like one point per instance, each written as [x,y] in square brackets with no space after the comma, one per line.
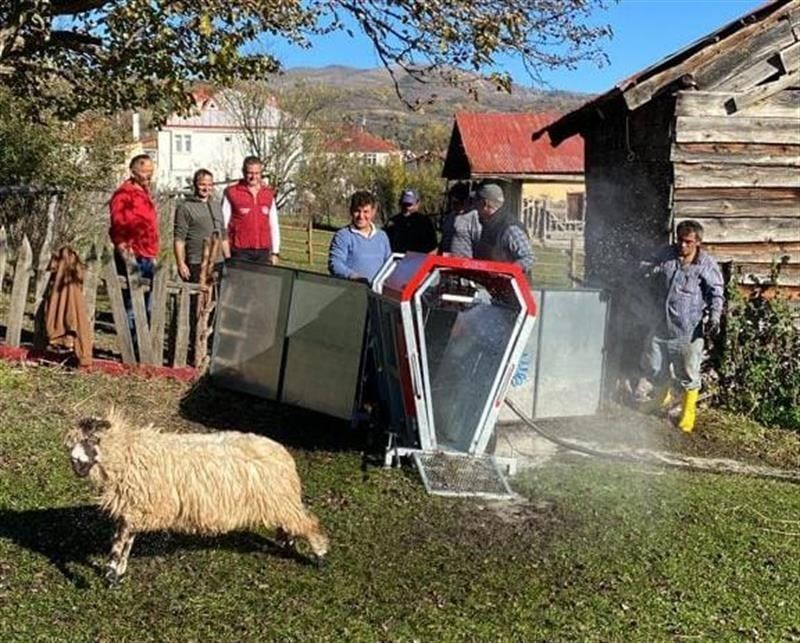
[759,360]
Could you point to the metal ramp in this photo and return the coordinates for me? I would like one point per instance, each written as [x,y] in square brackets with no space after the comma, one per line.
[460,474]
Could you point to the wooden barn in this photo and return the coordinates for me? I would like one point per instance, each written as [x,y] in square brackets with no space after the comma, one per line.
[711,133]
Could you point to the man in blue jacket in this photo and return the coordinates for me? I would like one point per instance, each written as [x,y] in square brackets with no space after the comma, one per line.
[688,284]
[360,249]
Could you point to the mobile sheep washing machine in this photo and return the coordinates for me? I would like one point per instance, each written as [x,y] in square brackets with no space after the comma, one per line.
[439,339]
[447,335]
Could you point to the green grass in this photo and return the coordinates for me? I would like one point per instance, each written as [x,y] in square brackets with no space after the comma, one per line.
[598,551]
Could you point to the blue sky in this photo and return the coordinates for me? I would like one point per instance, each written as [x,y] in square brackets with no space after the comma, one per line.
[644,32]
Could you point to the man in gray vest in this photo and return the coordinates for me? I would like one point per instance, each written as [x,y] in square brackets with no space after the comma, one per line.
[502,237]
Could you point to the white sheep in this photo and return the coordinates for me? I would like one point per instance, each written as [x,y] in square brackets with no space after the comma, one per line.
[191,483]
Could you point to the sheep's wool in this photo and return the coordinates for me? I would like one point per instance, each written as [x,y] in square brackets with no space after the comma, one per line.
[200,483]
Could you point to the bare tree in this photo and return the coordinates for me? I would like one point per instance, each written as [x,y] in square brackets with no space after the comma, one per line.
[280,126]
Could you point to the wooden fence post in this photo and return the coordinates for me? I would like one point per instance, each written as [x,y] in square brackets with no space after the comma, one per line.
[124,342]
[90,279]
[158,301]
[19,293]
[310,240]
[573,261]
[136,288]
[182,330]
[45,254]
[3,255]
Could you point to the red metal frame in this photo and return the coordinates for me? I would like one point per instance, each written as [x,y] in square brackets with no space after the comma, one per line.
[415,267]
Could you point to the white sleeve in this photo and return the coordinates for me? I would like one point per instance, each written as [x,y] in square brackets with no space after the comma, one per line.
[274,229]
[226,211]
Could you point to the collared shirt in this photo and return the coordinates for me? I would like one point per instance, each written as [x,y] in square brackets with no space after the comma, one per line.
[686,291]
[504,239]
[460,233]
[354,255]
[195,221]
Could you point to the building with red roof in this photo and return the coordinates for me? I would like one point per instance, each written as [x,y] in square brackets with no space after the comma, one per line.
[500,146]
[356,141]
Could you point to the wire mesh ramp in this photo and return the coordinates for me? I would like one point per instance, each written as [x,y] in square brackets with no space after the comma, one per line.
[455,474]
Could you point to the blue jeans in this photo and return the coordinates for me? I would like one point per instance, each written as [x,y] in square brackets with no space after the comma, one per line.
[683,354]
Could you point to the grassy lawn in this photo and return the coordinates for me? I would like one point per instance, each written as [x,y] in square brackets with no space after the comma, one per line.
[596,551]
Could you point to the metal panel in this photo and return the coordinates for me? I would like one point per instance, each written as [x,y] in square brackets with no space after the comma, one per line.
[250,328]
[561,370]
[571,352]
[325,336]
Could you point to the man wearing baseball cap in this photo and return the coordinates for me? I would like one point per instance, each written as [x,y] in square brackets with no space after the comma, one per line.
[410,230]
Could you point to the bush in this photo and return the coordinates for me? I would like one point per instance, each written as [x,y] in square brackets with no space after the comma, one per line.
[759,361]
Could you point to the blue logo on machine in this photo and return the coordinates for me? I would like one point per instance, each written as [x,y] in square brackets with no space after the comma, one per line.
[523,371]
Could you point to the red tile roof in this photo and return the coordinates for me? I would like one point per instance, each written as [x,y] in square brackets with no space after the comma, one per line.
[349,138]
[497,144]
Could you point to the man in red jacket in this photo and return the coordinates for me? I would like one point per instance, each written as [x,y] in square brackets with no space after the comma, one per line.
[134,224]
[249,212]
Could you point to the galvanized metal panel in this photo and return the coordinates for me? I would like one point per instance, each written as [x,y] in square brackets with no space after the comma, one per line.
[252,313]
[325,334]
[570,354]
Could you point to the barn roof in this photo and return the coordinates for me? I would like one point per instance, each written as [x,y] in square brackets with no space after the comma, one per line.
[678,69]
[484,144]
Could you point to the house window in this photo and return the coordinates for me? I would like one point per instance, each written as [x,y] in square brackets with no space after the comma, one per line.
[371,159]
[183,143]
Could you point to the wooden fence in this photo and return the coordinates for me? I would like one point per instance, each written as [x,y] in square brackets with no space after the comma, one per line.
[550,225]
[163,339]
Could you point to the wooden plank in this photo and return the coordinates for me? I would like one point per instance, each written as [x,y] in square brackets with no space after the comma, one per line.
[735,208]
[766,194]
[136,288]
[721,129]
[45,254]
[755,273]
[182,331]
[91,278]
[3,255]
[755,252]
[124,341]
[717,175]
[751,62]
[759,93]
[19,293]
[749,229]
[785,104]
[717,61]
[158,301]
[787,292]
[737,153]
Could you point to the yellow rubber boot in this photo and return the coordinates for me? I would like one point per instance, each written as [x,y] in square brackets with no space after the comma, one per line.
[689,411]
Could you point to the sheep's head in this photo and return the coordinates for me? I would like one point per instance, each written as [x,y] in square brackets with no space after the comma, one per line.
[85,452]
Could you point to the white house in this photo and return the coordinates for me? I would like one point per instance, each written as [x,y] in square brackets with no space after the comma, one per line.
[211,138]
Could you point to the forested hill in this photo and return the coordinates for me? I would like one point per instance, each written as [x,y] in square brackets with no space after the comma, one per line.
[368,95]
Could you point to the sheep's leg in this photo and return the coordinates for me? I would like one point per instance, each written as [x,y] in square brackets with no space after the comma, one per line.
[120,548]
[284,538]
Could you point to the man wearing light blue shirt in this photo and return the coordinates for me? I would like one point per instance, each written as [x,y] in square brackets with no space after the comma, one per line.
[359,250]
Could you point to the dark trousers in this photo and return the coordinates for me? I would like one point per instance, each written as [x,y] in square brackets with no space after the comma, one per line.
[256,255]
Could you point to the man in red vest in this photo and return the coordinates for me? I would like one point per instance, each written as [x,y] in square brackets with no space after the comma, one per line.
[249,212]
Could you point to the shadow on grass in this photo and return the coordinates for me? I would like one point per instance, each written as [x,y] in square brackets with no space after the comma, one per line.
[225,410]
[71,537]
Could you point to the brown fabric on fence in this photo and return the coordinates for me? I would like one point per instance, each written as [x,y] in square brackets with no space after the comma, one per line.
[66,321]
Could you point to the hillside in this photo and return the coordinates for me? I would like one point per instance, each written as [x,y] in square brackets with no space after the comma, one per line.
[368,95]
